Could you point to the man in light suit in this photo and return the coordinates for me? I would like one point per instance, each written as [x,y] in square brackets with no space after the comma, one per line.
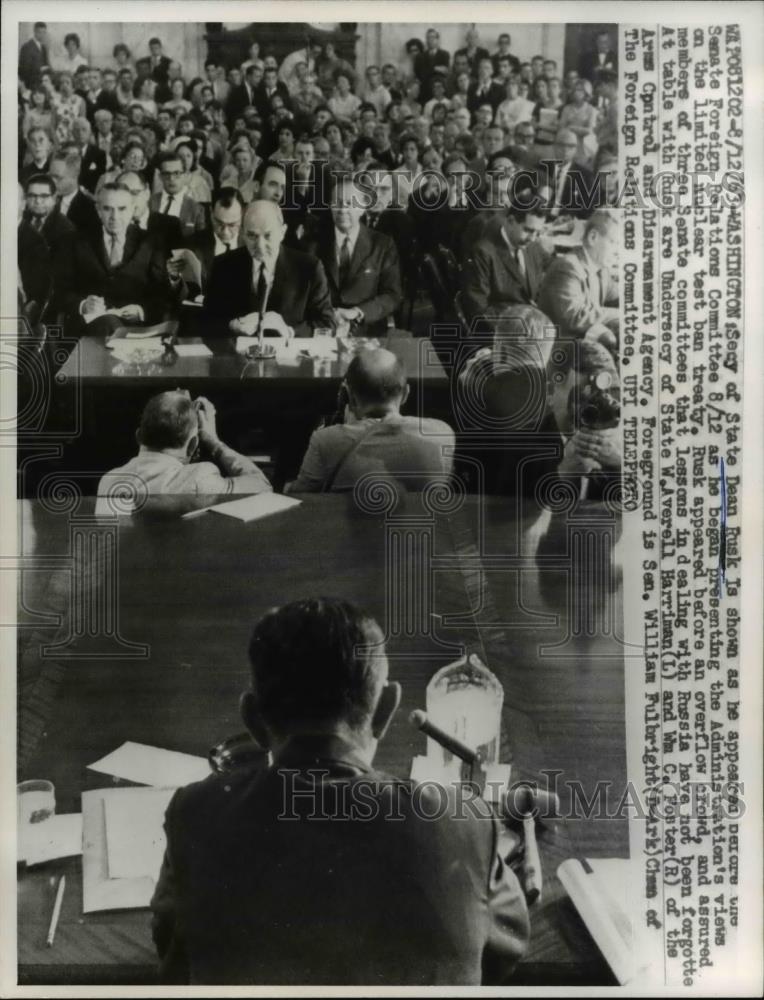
[507,264]
[356,886]
[578,293]
[174,199]
[118,272]
[263,276]
[361,264]
[33,55]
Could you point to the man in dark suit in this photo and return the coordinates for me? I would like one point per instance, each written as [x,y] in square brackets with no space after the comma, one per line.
[118,272]
[163,229]
[56,230]
[246,895]
[74,203]
[603,58]
[567,187]
[503,52]
[507,265]
[159,62]
[246,94]
[263,277]
[175,200]
[433,60]
[33,55]
[266,89]
[384,216]
[472,51]
[221,239]
[93,159]
[39,149]
[484,90]
[361,264]
[578,293]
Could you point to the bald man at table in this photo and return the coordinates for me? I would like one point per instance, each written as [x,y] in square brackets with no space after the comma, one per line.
[264,277]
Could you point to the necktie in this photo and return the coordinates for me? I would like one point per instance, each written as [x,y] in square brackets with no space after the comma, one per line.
[344,260]
[261,289]
[227,247]
[522,268]
[168,206]
[115,252]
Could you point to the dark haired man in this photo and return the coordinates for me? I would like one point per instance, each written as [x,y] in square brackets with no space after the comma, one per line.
[257,886]
[507,264]
[172,428]
[33,55]
[174,199]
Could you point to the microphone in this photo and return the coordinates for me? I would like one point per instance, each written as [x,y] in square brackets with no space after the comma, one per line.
[419,720]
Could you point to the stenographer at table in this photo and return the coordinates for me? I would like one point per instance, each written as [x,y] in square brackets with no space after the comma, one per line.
[265,277]
[164,476]
[321,869]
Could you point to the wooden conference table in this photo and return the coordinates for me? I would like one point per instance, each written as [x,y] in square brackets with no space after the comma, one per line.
[167,661]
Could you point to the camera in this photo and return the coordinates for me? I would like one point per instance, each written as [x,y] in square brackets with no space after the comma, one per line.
[596,405]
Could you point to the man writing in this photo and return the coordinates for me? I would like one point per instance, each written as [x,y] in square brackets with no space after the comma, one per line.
[173,428]
[370,899]
[374,437]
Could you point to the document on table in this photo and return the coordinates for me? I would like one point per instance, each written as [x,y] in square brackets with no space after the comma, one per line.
[147,765]
[123,842]
[254,507]
[59,836]
[193,351]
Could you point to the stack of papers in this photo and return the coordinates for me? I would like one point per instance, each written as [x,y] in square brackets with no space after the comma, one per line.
[148,765]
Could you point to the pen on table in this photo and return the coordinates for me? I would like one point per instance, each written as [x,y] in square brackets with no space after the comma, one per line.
[56,911]
[531,870]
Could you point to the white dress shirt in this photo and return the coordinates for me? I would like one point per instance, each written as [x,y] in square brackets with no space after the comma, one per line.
[176,203]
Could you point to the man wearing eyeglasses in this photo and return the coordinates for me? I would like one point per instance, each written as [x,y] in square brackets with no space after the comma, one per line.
[507,265]
[174,199]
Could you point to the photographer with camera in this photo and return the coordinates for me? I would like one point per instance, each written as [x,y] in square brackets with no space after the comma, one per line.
[173,429]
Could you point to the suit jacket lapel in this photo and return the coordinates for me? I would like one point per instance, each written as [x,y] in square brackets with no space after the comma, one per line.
[361,250]
[132,242]
[330,260]
[99,247]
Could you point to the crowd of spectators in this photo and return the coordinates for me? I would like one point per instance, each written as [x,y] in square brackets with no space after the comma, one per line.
[468,162]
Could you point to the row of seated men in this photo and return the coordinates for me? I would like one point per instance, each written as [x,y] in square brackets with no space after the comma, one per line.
[328,258]
[547,420]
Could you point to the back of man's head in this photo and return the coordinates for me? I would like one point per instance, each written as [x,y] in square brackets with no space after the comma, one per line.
[317,663]
[376,381]
[168,421]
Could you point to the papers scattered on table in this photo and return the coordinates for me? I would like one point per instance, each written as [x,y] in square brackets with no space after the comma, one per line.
[254,507]
[60,836]
[193,351]
[134,846]
[149,765]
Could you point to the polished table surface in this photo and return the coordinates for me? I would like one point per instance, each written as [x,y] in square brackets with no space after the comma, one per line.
[93,363]
[167,663]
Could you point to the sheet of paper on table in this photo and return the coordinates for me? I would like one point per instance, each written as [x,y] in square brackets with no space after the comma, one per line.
[145,810]
[135,838]
[147,765]
[193,351]
[59,836]
[254,507]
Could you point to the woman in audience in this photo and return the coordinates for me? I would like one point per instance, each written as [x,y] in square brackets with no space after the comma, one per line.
[406,174]
[66,106]
[461,89]
[338,154]
[411,102]
[328,68]
[240,173]
[72,58]
[198,185]
[343,104]
[144,95]
[122,57]
[581,118]
[362,153]
[515,108]
[177,100]
[39,114]
[284,152]
[546,114]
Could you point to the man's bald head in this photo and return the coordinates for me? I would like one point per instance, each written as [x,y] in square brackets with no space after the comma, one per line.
[376,382]
[263,230]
